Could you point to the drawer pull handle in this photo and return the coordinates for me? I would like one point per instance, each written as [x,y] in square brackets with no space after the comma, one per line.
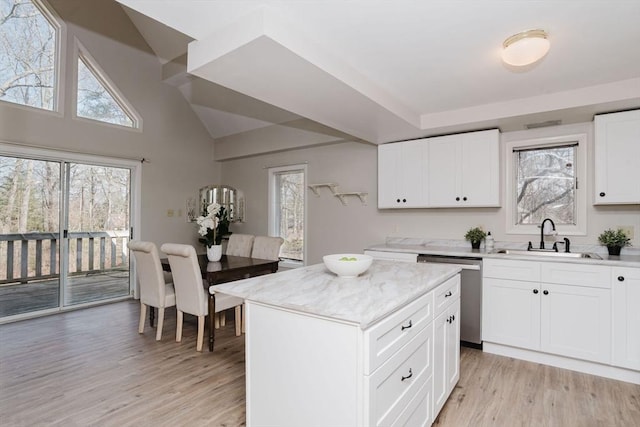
[621,278]
[448,294]
[406,327]
[535,291]
[408,376]
[545,292]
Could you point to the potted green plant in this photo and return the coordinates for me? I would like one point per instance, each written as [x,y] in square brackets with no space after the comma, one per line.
[475,235]
[614,240]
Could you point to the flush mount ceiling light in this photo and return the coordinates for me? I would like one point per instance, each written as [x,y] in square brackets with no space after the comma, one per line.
[525,48]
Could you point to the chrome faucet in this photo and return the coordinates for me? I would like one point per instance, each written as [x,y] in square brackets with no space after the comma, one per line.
[553,226]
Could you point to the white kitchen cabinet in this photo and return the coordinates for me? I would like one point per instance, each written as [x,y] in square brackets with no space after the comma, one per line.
[561,308]
[617,158]
[446,360]
[402,174]
[322,371]
[625,283]
[464,170]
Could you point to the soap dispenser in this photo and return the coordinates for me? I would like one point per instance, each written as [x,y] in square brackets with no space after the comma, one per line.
[488,242]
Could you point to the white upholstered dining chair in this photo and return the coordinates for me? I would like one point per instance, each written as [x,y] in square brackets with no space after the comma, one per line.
[156,288]
[191,296]
[240,245]
[266,247]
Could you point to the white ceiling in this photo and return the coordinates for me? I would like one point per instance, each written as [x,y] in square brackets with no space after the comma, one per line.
[390,70]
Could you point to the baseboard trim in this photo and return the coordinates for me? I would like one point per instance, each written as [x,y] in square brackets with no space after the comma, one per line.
[607,371]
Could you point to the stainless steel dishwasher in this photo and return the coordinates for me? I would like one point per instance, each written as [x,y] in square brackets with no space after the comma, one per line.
[470,296]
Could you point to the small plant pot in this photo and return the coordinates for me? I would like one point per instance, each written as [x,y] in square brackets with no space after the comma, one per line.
[614,250]
[475,245]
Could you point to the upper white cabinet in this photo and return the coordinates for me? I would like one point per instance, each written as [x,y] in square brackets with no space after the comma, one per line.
[617,158]
[448,171]
[464,170]
[402,174]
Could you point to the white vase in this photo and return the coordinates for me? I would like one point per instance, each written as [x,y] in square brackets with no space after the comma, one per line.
[214,253]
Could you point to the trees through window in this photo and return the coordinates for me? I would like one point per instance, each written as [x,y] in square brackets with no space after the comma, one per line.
[28,54]
[287,209]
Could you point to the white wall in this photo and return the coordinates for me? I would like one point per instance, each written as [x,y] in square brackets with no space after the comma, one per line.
[336,228]
[173,139]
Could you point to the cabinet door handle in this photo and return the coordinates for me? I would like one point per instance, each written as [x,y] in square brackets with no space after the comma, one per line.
[397,200]
[535,291]
[457,199]
[406,327]
[621,278]
[464,198]
[448,294]
[448,319]
[408,376]
[546,292]
[453,317]
[602,194]
[404,200]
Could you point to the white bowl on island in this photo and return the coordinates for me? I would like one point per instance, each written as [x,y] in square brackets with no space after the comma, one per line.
[347,265]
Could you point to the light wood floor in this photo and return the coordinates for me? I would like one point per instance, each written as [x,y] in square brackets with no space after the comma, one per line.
[91,367]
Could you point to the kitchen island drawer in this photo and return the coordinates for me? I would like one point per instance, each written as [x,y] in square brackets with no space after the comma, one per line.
[386,337]
[446,293]
[393,386]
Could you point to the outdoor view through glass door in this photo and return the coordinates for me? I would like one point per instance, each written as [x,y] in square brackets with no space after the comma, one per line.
[63,234]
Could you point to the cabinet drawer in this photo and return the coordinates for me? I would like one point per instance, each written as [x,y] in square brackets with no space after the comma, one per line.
[593,276]
[528,271]
[387,336]
[393,385]
[446,293]
[418,412]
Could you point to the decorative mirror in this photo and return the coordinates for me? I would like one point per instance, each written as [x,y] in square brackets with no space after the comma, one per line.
[226,196]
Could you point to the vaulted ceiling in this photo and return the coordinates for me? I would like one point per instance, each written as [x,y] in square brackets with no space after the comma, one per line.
[383,70]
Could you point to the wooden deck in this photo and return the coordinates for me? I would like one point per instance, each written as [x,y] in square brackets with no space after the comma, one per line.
[18,298]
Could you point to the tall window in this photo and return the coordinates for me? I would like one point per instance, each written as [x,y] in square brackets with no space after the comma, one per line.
[28,54]
[287,210]
[97,99]
[545,180]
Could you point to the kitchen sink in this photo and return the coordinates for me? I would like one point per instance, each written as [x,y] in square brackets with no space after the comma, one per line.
[548,254]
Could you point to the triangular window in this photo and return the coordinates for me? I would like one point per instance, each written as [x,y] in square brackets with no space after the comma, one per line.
[97,99]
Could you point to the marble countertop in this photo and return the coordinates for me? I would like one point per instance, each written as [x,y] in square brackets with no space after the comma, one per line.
[384,288]
[630,257]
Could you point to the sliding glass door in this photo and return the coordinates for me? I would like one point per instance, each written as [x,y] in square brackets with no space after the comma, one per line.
[64,233]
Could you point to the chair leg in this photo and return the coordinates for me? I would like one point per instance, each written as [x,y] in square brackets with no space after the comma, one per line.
[223,318]
[216,320]
[238,319]
[244,317]
[160,323]
[179,326]
[200,333]
[143,315]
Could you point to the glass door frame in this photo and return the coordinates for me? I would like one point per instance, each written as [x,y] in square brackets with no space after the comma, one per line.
[65,157]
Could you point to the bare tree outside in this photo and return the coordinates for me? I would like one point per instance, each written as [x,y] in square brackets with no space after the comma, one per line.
[95,101]
[291,210]
[27,55]
[546,185]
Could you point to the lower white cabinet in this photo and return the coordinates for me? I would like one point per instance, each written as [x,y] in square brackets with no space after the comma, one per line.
[446,361]
[625,283]
[558,318]
[305,370]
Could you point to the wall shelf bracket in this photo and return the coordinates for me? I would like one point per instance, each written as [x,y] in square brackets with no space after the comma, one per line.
[314,187]
[342,196]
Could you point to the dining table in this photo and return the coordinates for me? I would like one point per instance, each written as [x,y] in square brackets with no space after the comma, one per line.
[228,269]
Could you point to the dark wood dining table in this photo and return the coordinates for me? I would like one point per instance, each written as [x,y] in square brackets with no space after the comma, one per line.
[228,269]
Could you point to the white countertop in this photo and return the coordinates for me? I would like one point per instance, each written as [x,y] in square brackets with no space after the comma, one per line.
[384,288]
[630,257]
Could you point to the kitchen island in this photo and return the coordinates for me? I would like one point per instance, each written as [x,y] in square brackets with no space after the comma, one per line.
[379,349]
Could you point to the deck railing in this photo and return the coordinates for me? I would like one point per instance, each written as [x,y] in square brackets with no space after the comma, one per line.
[29,257]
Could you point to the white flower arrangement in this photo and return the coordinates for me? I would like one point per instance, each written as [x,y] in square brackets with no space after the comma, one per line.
[208,224]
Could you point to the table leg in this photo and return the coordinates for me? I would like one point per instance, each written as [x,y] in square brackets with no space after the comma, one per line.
[212,311]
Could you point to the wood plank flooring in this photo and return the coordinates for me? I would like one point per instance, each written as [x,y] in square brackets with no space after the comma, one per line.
[91,367]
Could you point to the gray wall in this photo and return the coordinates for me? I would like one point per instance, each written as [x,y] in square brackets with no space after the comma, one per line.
[333,227]
[178,146]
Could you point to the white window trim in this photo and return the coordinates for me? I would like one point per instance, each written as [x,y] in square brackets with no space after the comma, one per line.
[580,228]
[272,210]
[81,53]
